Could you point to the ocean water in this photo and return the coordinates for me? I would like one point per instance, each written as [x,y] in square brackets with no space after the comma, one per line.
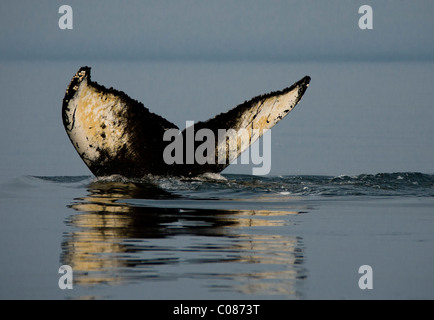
[351,184]
[236,237]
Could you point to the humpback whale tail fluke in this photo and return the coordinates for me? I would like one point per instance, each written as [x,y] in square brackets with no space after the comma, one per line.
[115,134]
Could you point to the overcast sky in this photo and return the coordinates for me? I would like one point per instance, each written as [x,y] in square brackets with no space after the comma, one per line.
[223,29]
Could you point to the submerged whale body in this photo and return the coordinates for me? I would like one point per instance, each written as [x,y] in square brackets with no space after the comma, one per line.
[115,134]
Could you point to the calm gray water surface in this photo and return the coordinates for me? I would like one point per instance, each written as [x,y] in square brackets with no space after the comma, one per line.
[299,237]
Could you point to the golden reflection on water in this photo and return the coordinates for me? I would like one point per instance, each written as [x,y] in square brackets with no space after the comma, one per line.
[114,241]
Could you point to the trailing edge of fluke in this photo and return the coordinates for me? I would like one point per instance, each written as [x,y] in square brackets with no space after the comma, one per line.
[115,134]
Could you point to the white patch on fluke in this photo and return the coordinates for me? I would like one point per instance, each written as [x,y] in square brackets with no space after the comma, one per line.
[255,122]
[96,123]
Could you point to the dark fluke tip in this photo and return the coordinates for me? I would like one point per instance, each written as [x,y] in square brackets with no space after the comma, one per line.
[305,80]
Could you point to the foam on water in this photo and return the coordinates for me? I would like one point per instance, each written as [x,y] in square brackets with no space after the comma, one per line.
[382,184]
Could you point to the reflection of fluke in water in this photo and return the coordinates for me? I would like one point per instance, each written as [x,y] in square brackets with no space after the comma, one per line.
[115,134]
[114,232]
